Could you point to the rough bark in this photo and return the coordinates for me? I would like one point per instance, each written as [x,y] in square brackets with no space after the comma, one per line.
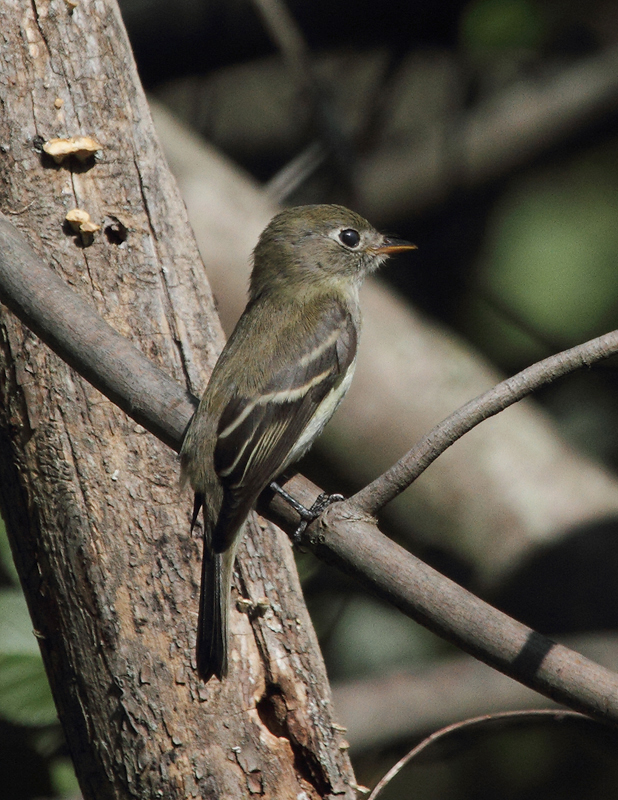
[100,535]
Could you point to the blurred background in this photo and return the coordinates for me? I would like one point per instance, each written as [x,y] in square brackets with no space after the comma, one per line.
[487,133]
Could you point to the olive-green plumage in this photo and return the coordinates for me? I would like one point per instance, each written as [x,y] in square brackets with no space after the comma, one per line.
[279,379]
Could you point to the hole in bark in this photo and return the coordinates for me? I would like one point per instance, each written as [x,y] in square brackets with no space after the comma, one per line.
[272,711]
[115,231]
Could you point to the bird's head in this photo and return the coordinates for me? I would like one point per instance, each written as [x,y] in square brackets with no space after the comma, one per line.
[319,245]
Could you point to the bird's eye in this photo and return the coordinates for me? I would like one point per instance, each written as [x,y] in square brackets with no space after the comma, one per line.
[349,237]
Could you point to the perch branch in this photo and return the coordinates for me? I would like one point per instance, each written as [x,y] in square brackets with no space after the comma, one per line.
[344,535]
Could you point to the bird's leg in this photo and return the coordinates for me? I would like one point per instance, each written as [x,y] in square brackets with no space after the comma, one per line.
[300,509]
[307,515]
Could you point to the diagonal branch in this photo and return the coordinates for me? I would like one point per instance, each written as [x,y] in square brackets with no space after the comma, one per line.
[65,322]
[350,540]
[382,490]
[345,535]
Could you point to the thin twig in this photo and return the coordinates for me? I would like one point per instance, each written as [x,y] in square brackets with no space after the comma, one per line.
[287,35]
[295,172]
[392,482]
[388,707]
[502,719]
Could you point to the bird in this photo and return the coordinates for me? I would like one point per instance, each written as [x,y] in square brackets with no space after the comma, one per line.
[279,379]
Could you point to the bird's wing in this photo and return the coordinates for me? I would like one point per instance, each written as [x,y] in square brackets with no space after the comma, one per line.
[257,434]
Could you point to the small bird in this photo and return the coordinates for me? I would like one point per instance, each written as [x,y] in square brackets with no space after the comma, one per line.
[280,377]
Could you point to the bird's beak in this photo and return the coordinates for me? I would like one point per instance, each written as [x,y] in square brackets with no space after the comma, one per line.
[392,245]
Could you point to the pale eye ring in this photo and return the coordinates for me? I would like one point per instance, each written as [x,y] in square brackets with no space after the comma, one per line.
[349,237]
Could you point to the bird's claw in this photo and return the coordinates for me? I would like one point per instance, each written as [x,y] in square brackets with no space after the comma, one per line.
[310,514]
[307,515]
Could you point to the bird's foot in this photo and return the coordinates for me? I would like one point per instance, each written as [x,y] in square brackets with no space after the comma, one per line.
[320,505]
[307,515]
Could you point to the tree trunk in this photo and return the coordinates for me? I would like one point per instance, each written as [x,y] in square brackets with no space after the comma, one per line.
[100,536]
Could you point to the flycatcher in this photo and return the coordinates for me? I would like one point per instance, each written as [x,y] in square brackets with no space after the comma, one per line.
[281,376]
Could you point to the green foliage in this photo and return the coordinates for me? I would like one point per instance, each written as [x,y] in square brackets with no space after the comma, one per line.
[554,254]
[63,778]
[7,565]
[25,697]
[496,25]
[16,637]
[550,262]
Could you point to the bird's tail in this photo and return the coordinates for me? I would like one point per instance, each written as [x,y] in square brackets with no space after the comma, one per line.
[212,627]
